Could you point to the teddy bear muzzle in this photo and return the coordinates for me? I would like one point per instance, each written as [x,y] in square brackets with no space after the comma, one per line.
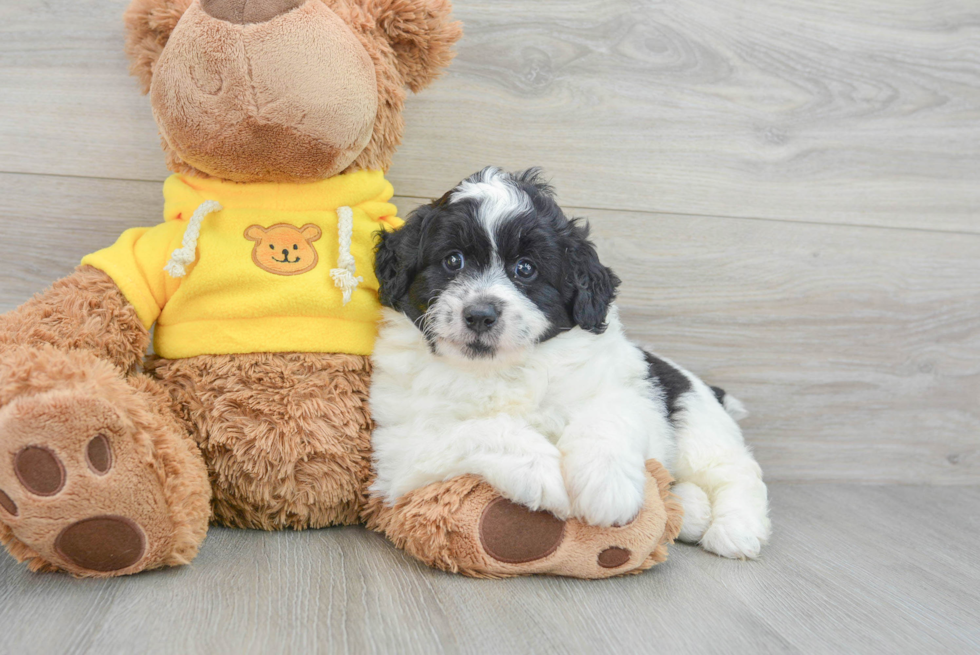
[265,90]
[245,12]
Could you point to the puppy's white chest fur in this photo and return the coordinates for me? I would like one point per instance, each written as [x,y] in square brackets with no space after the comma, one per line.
[543,387]
[579,403]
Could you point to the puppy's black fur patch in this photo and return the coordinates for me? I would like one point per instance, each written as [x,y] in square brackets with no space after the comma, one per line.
[571,287]
[673,382]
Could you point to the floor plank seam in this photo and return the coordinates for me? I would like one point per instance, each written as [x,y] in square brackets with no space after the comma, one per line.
[645,212]
[654,212]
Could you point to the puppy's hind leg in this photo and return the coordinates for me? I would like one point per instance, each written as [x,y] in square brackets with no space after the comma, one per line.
[720,484]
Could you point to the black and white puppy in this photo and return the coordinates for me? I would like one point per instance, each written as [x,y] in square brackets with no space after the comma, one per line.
[501,354]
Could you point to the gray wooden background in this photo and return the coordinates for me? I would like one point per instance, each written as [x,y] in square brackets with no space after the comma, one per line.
[790,190]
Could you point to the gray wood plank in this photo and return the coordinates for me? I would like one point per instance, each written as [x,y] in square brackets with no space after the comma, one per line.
[851,569]
[856,349]
[859,113]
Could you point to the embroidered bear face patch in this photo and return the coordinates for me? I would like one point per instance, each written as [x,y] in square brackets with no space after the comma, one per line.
[284,249]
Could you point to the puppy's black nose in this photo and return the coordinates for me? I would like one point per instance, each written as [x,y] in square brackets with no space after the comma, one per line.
[480,317]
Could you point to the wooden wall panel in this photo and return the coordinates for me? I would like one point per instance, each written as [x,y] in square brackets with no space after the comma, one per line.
[856,349]
[861,113]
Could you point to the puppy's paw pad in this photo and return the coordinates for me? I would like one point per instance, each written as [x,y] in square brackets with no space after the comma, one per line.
[513,534]
[102,543]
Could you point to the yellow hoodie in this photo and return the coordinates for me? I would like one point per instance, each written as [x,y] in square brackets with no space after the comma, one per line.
[266,267]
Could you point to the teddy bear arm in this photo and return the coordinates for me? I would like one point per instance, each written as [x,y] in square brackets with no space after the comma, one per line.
[464,526]
[83,311]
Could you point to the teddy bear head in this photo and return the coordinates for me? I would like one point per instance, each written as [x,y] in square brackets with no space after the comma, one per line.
[284,90]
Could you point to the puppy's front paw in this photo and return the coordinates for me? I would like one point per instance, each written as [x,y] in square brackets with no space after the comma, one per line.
[736,536]
[604,495]
[535,483]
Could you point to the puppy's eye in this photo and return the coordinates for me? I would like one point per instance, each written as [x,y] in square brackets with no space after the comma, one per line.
[454,262]
[272,246]
[525,269]
[295,246]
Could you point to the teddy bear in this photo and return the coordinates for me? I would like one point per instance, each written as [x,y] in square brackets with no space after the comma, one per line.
[278,119]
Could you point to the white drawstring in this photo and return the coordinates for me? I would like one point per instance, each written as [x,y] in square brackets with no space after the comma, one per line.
[343,275]
[184,256]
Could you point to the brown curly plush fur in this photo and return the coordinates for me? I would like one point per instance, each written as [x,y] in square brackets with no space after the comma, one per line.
[84,311]
[286,437]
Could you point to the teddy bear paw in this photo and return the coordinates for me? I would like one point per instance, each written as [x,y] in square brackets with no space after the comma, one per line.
[80,488]
[463,525]
[518,541]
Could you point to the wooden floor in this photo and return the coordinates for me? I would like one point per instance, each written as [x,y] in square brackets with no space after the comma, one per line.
[790,190]
[852,569]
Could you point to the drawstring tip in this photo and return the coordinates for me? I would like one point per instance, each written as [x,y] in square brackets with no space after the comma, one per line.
[344,280]
[175,270]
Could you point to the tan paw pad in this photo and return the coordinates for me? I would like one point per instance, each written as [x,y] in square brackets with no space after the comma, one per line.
[614,557]
[7,503]
[40,471]
[102,543]
[98,455]
[514,534]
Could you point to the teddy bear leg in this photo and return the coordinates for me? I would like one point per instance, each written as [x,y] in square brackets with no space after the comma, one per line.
[286,436]
[97,478]
[464,526]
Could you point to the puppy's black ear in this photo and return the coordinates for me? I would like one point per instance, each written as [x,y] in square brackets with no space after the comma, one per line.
[591,287]
[391,281]
[396,258]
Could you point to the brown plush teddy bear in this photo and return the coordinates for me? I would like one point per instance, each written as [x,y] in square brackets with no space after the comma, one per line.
[278,118]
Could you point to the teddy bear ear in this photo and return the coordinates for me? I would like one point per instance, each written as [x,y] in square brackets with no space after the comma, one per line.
[421,33]
[148,26]
[255,233]
[310,232]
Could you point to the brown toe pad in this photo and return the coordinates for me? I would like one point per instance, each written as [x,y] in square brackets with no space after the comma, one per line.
[8,503]
[102,543]
[39,470]
[614,557]
[514,534]
[98,455]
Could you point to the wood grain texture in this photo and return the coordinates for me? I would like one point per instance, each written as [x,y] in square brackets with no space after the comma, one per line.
[859,113]
[856,349]
[851,569]
[681,123]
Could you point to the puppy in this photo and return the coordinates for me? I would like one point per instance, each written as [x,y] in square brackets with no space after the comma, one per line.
[501,354]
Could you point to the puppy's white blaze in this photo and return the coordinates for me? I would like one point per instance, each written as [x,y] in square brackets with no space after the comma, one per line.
[498,198]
